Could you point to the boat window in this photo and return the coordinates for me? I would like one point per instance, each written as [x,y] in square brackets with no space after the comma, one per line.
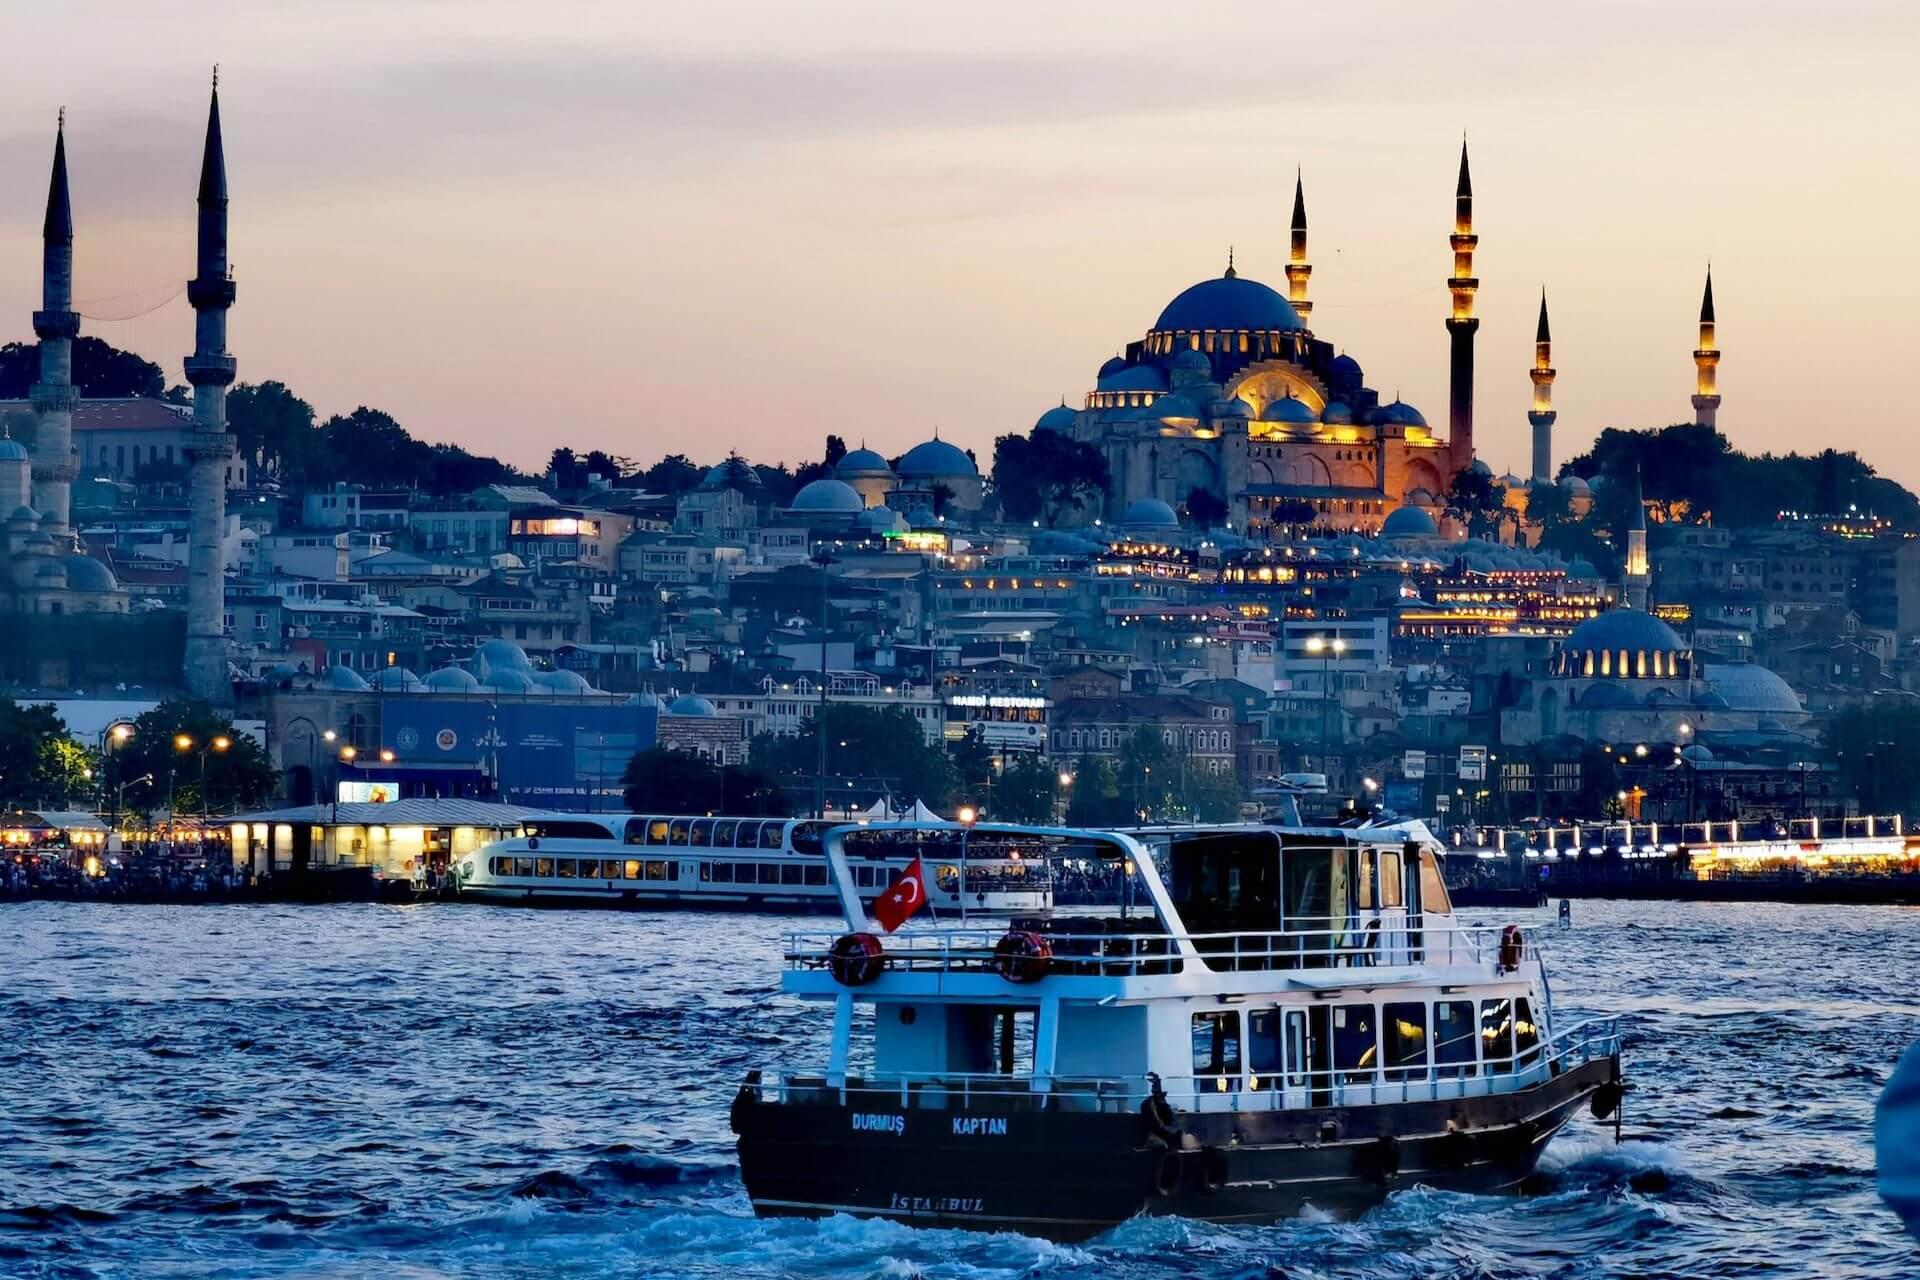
[589,869]
[1496,1034]
[656,831]
[816,874]
[769,873]
[1453,1037]
[790,874]
[1363,882]
[723,873]
[746,835]
[1356,1051]
[1526,1036]
[1216,1051]
[632,869]
[677,832]
[806,837]
[523,866]
[550,828]
[543,866]
[658,871]
[1433,890]
[1392,890]
[1264,1053]
[1227,883]
[771,834]
[702,832]
[723,834]
[1309,896]
[1405,1032]
[564,868]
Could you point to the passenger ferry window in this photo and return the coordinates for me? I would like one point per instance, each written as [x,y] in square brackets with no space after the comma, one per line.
[677,833]
[1453,1038]
[1433,890]
[523,866]
[657,831]
[1363,882]
[769,873]
[1405,1031]
[633,869]
[790,874]
[543,866]
[1216,1052]
[564,867]
[589,869]
[636,832]
[1309,888]
[1496,1034]
[723,872]
[702,832]
[1356,1051]
[771,834]
[723,834]
[1526,1036]
[1392,891]
[816,874]
[806,837]
[657,871]
[1264,1052]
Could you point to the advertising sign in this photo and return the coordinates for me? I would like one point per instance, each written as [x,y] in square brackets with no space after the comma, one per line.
[1473,764]
[536,753]
[1415,765]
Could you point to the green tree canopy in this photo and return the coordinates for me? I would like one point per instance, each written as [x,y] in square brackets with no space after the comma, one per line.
[1095,799]
[238,777]
[100,370]
[39,764]
[1871,746]
[271,424]
[661,780]
[872,747]
[1025,790]
[1045,475]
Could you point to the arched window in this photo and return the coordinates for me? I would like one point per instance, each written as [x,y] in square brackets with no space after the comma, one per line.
[1606,662]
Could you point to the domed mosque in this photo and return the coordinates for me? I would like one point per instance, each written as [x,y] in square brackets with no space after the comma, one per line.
[1230,393]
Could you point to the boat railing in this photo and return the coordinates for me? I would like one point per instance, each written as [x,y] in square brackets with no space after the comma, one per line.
[1123,953]
[1279,1090]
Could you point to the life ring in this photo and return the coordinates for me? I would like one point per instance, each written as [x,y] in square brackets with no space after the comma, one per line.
[855,959]
[1022,956]
[1513,948]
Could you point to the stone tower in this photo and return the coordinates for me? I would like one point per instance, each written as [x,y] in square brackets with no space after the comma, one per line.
[1638,574]
[1541,416]
[56,324]
[1461,325]
[1297,268]
[1706,363]
[210,370]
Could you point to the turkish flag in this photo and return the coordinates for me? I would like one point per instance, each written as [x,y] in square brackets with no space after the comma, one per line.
[902,898]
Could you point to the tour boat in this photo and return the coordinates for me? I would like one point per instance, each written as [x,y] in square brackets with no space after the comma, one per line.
[1268,1019]
[756,863]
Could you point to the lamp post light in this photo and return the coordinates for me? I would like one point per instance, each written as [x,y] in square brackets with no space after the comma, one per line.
[967,815]
[1326,650]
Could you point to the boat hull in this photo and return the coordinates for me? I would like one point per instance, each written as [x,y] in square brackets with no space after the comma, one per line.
[1069,1175]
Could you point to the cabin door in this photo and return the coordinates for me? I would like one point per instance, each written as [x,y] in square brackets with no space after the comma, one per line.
[1384,905]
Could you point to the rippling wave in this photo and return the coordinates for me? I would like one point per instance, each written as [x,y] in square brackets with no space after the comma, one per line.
[440,1091]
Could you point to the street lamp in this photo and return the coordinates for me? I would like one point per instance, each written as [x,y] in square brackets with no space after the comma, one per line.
[968,815]
[1326,650]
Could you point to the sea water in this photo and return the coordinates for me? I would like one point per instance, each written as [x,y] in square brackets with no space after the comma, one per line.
[478,1091]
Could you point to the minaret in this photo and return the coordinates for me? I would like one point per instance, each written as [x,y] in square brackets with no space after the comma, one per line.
[1706,361]
[1541,416]
[210,370]
[1637,576]
[1461,325]
[56,324]
[1297,268]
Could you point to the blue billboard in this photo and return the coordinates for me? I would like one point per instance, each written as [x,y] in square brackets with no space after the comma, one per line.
[538,753]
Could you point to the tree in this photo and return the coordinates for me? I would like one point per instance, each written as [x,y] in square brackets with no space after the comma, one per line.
[1210,796]
[836,450]
[674,474]
[876,747]
[101,371]
[662,780]
[565,470]
[271,425]
[37,758]
[238,777]
[1477,502]
[1205,509]
[1095,800]
[972,763]
[1869,746]
[1026,790]
[1045,475]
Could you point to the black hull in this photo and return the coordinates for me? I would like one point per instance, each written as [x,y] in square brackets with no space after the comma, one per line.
[1070,1175]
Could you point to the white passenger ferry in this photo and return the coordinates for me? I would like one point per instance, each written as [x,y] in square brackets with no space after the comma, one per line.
[772,863]
[1270,1018]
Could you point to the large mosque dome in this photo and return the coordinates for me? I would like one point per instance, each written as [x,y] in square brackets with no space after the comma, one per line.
[935,459]
[828,495]
[1624,644]
[1230,302]
[1149,513]
[862,462]
[1748,687]
[1409,522]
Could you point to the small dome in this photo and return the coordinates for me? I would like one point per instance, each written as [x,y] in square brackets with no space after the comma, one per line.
[1513,481]
[1190,361]
[1748,686]
[1629,629]
[12,450]
[922,517]
[1058,418]
[1149,513]
[346,680]
[1399,413]
[1289,410]
[1574,484]
[1231,303]
[1337,414]
[735,473]
[451,680]
[1696,753]
[1175,406]
[1582,568]
[395,679]
[1607,693]
[880,520]
[510,680]
[936,458]
[1111,367]
[564,681]
[24,515]
[1344,373]
[862,462]
[84,573]
[502,655]
[829,496]
[645,699]
[1480,468]
[691,704]
[1138,377]
[1409,522]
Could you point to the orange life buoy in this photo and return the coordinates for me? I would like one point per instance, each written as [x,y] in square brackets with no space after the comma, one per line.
[1513,948]
[855,959]
[1022,956]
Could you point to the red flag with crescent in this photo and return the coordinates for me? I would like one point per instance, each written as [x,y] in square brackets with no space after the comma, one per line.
[903,897]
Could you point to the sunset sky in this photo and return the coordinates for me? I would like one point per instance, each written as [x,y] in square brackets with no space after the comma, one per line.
[653,228]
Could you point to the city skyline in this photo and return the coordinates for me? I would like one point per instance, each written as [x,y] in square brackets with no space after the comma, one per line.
[690,241]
